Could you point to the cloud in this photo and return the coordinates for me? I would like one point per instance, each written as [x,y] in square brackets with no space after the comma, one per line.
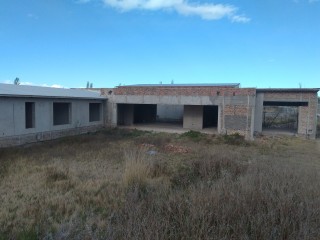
[33,84]
[207,11]
[42,85]
[241,19]
[309,1]
[82,1]
[56,86]
[26,83]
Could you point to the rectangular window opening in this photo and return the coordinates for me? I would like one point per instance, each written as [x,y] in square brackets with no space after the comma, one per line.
[61,113]
[30,114]
[94,112]
[280,118]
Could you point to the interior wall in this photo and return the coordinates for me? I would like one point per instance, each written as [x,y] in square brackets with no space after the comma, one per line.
[170,113]
[125,114]
[193,117]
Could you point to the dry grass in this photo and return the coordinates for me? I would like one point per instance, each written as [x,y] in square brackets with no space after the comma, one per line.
[137,168]
[106,186]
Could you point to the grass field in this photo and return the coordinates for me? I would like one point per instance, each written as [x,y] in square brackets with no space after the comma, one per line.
[128,184]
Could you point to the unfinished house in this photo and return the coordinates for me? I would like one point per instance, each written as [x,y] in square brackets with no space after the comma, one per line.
[31,114]
[221,108]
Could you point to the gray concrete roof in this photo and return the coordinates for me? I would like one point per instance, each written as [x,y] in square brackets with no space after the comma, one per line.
[186,85]
[11,90]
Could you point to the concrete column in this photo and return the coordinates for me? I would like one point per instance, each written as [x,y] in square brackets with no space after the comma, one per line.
[193,117]
[219,127]
[258,113]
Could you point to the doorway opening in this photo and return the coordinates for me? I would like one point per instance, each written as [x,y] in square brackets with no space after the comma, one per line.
[210,116]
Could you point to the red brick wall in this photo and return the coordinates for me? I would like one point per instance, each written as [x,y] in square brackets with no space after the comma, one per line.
[240,110]
[298,96]
[185,91]
[307,115]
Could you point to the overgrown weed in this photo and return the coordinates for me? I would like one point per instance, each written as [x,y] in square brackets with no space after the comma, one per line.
[114,190]
[194,135]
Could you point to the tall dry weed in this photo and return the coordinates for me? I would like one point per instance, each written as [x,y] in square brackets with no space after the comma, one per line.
[137,167]
[89,188]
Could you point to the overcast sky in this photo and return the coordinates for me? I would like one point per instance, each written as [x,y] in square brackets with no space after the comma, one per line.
[260,43]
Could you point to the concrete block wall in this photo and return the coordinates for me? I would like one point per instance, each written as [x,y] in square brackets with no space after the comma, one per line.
[12,119]
[45,136]
[193,117]
[238,119]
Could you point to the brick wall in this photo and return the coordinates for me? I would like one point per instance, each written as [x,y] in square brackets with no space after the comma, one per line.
[296,96]
[237,119]
[307,115]
[183,91]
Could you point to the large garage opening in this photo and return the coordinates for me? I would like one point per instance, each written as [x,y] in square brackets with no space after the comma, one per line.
[144,113]
[210,116]
[129,114]
[281,117]
[151,117]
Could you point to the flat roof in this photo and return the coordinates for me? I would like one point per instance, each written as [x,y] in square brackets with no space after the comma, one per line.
[234,85]
[288,89]
[11,90]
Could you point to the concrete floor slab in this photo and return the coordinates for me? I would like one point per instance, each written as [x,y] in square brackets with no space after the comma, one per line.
[167,127]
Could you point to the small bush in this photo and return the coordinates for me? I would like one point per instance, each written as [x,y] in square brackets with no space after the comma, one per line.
[118,133]
[193,135]
[233,139]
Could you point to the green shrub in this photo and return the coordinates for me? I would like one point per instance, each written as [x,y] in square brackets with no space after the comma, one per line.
[193,135]
[233,139]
